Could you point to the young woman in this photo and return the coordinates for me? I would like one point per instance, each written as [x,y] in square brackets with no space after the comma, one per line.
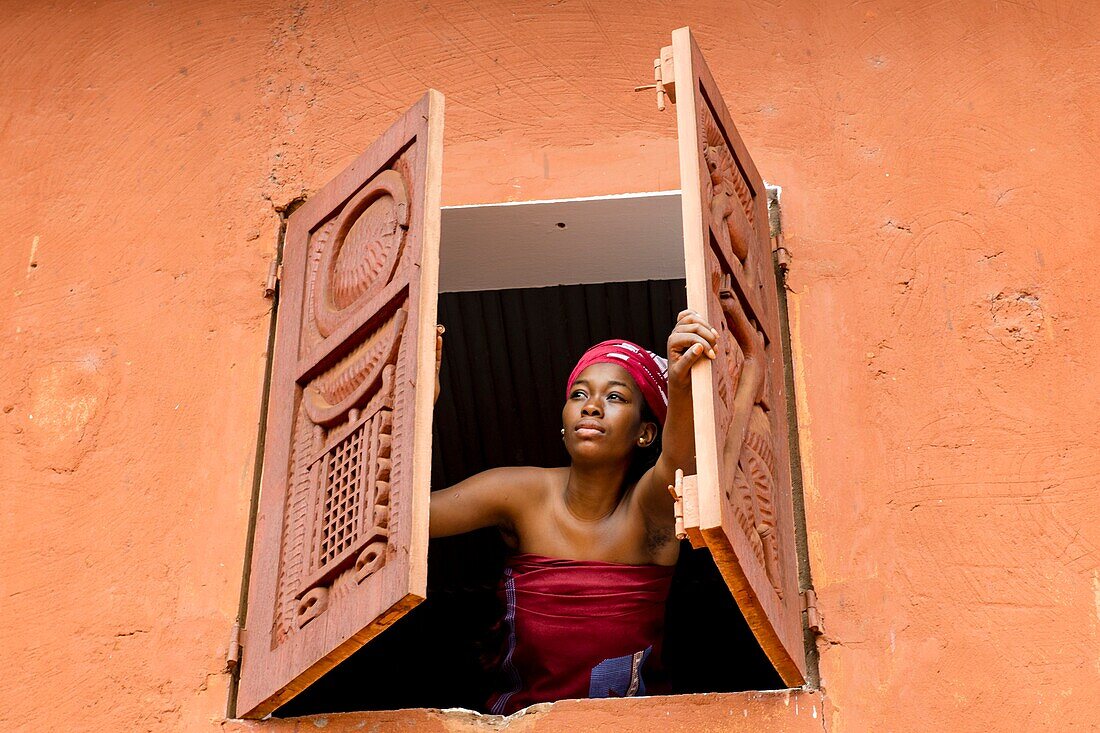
[595,542]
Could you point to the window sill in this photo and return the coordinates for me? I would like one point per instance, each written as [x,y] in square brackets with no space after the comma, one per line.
[782,711]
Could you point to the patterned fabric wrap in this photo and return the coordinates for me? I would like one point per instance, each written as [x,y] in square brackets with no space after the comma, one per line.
[649,371]
[579,628]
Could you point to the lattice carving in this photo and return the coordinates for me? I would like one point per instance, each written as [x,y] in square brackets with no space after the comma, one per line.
[337,508]
[341,496]
[727,189]
[351,508]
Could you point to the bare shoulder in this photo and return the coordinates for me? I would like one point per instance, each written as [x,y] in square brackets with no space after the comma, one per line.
[499,496]
[530,482]
[515,486]
[528,489]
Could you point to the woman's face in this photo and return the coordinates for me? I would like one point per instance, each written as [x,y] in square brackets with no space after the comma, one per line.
[602,416]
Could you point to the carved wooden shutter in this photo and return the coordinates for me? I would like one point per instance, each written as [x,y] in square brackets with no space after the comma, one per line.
[342,532]
[743,482]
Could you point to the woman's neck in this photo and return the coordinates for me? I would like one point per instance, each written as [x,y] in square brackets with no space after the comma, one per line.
[593,492]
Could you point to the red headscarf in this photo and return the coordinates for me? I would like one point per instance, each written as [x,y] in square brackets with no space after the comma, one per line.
[649,371]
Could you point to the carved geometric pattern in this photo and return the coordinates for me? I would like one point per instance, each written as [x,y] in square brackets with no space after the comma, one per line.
[293,551]
[351,507]
[330,395]
[382,467]
[338,502]
[318,244]
[342,496]
[362,254]
[355,253]
[337,506]
[312,605]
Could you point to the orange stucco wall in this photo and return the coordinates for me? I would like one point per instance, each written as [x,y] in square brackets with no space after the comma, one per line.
[938,170]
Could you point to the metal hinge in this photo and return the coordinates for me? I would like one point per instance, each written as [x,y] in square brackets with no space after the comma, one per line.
[783,258]
[685,494]
[664,80]
[782,254]
[809,605]
[274,274]
[236,644]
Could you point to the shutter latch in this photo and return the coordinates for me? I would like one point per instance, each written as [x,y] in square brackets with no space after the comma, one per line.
[809,605]
[233,656]
[664,81]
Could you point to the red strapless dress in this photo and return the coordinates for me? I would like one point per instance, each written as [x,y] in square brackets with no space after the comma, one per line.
[578,628]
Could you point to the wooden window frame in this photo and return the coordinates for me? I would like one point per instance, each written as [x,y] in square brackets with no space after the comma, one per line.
[811,623]
[727,266]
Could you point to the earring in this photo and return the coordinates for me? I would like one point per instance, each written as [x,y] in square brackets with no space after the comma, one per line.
[563,432]
[641,442]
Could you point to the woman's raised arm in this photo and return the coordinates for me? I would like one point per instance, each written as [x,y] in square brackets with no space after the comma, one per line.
[690,340]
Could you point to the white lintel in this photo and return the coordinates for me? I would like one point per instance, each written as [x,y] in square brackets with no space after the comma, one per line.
[521,244]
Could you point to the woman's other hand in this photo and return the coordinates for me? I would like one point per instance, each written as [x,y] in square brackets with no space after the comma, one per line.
[689,341]
[439,330]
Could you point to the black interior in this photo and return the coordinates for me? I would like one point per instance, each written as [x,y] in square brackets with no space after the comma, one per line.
[506,356]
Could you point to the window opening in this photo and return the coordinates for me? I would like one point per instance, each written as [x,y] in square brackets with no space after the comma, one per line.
[506,356]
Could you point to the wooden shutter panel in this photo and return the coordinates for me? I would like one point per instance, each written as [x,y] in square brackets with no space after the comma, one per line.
[342,531]
[743,483]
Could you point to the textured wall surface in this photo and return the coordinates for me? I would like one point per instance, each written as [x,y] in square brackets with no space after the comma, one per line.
[938,170]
